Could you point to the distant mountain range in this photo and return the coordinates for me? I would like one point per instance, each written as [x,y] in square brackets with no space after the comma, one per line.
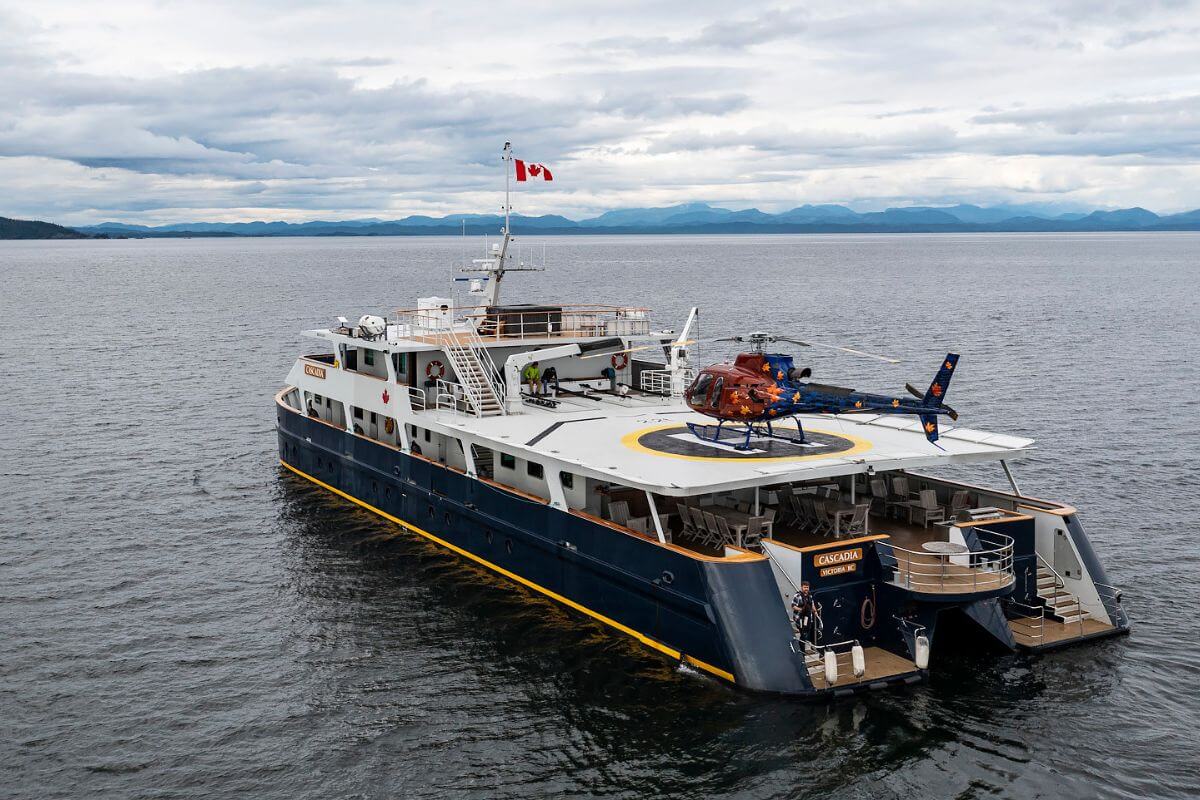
[688,218]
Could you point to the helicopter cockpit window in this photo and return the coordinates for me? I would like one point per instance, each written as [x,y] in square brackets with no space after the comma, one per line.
[700,388]
[718,387]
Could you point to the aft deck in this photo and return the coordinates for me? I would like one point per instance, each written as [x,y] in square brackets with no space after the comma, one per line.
[880,664]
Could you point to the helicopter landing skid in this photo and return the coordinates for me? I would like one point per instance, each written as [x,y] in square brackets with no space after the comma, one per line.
[746,432]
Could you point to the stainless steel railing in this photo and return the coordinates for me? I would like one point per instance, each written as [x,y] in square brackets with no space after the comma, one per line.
[984,569]
[1031,617]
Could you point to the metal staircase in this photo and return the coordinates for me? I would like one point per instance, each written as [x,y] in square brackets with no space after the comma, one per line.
[1060,604]
[476,372]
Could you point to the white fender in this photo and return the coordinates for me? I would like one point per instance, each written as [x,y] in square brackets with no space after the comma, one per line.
[858,659]
[830,666]
[921,646]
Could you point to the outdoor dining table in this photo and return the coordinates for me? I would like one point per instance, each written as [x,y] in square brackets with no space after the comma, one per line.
[738,521]
[944,550]
[838,510]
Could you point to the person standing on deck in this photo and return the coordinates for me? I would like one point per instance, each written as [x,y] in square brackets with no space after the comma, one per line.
[802,609]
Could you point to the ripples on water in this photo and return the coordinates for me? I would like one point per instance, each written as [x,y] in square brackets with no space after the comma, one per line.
[181,619]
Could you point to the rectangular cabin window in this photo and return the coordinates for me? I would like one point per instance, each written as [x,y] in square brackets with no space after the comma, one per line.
[373,418]
[507,461]
[317,399]
[428,436]
[400,362]
[357,413]
[568,479]
[369,357]
[535,470]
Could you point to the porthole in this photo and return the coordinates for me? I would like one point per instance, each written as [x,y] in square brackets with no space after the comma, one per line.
[396,471]
[508,545]
[668,577]
[432,513]
[448,519]
[487,536]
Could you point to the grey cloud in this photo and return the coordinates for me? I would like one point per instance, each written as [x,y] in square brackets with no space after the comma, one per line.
[737,34]
[1167,127]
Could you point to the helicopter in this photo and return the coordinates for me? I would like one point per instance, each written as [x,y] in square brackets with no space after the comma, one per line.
[761,388]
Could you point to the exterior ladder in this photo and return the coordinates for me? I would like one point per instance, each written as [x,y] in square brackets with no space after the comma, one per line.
[476,372]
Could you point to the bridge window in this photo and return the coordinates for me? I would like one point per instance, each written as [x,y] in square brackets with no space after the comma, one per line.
[507,461]
[369,357]
[535,470]
[568,479]
[358,413]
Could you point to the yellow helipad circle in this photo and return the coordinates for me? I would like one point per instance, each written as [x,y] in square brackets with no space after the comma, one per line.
[857,445]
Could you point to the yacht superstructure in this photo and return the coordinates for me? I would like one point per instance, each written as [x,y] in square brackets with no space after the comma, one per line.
[593,490]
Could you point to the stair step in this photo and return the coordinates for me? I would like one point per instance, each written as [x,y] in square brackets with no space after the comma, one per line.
[1074,618]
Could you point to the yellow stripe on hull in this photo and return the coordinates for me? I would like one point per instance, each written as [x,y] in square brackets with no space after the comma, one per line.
[641,637]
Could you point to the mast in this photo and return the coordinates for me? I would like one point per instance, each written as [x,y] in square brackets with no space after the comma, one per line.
[500,259]
[497,259]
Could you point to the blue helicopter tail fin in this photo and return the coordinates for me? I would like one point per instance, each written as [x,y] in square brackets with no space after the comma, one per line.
[930,425]
[936,394]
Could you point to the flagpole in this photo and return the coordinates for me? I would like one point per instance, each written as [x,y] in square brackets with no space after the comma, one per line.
[507,171]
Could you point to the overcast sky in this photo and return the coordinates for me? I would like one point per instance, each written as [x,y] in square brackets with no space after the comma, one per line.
[169,111]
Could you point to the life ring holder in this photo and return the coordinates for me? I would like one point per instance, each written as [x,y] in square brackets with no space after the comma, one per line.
[435,366]
[620,360]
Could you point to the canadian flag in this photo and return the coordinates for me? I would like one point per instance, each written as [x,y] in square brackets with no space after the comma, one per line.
[527,171]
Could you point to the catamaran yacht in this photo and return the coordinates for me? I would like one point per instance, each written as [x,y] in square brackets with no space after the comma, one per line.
[593,490]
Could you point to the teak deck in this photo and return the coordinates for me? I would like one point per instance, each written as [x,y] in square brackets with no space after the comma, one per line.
[880,664]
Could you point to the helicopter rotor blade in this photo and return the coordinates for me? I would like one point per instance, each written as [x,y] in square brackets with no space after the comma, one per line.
[852,351]
[792,341]
[914,391]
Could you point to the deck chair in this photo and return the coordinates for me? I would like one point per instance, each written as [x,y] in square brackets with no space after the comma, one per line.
[926,509]
[899,498]
[689,527]
[769,515]
[959,501]
[701,530]
[756,531]
[857,526]
[808,512]
[821,522]
[618,512]
[637,524]
[723,531]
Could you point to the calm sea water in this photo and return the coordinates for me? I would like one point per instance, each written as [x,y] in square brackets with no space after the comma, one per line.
[179,618]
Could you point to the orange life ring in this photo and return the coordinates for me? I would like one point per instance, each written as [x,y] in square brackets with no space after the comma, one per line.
[435,367]
[620,360]
[389,425]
